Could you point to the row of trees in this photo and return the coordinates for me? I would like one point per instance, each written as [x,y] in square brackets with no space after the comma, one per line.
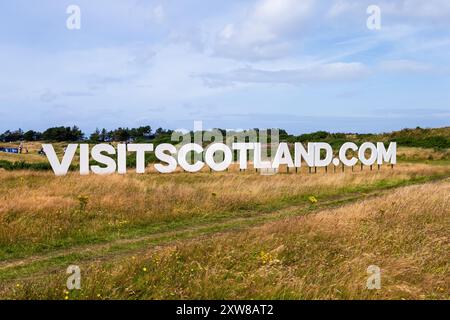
[51,134]
[74,133]
[418,137]
[122,134]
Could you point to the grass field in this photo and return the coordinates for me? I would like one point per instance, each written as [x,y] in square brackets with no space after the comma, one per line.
[227,235]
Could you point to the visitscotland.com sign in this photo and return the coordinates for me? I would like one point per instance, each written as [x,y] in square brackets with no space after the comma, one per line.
[217,156]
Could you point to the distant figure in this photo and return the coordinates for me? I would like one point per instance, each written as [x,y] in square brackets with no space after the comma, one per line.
[21,147]
[41,151]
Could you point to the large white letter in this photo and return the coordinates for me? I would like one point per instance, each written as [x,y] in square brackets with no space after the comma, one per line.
[60,169]
[390,155]
[362,153]
[99,157]
[84,159]
[209,156]
[243,148]
[140,150]
[122,158]
[300,153]
[258,163]
[343,154]
[169,159]
[318,146]
[283,156]
[182,153]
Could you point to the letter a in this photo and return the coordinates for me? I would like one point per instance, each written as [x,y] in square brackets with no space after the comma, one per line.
[374,20]
[74,20]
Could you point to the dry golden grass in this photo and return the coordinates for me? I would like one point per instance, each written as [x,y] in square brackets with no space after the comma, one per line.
[323,255]
[37,207]
[415,154]
[33,155]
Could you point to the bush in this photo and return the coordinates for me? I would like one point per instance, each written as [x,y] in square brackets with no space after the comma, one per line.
[433,142]
[22,165]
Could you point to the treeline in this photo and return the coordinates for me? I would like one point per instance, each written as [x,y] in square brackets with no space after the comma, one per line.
[51,134]
[419,137]
[127,134]
[72,134]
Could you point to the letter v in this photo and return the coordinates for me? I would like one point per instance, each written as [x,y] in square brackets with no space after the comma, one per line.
[60,169]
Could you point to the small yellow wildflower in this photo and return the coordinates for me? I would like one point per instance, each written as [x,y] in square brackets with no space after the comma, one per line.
[265,257]
[312,199]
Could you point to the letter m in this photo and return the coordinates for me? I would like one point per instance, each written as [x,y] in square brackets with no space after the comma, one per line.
[389,155]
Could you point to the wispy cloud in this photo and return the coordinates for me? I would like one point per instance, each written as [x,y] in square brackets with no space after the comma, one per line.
[318,73]
[409,66]
[263,32]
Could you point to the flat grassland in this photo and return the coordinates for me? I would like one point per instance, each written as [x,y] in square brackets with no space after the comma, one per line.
[233,235]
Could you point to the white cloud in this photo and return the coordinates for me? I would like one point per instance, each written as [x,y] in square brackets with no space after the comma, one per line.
[280,15]
[405,66]
[317,73]
[341,7]
[419,8]
[159,13]
[262,32]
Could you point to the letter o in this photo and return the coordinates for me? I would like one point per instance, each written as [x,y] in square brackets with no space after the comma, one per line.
[209,157]
[362,153]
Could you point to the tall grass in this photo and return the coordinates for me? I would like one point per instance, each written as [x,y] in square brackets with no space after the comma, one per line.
[318,256]
[40,211]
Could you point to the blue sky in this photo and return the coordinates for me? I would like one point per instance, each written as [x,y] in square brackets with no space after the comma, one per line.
[303,65]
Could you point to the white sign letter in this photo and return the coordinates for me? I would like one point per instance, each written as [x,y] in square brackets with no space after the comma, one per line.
[99,157]
[140,150]
[390,155]
[60,169]
[343,154]
[169,159]
[209,156]
[362,153]
[183,152]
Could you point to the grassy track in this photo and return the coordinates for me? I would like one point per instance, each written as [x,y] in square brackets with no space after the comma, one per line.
[185,231]
[45,260]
